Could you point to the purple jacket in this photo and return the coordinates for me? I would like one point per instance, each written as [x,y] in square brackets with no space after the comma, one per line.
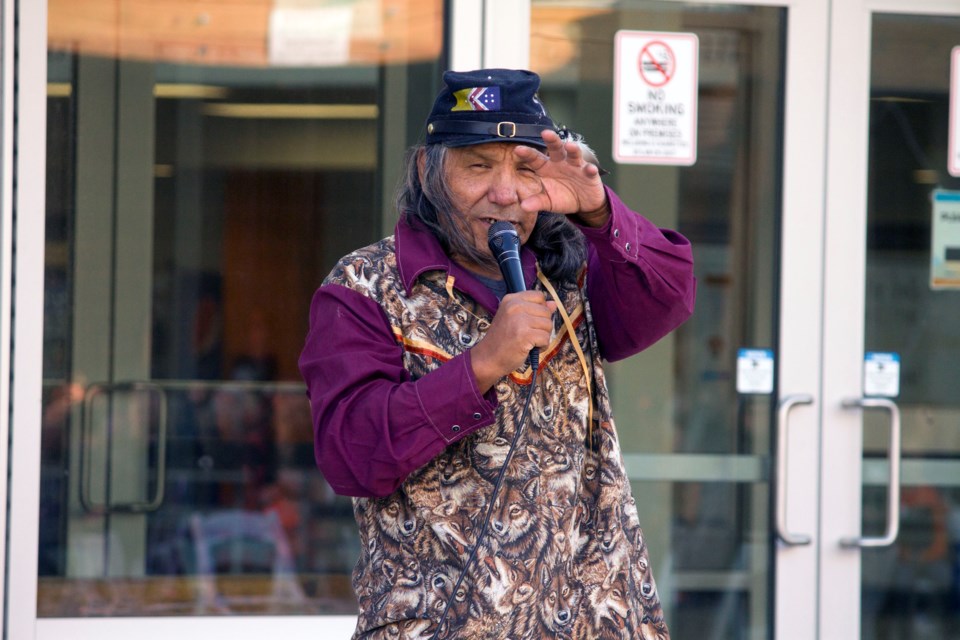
[374,425]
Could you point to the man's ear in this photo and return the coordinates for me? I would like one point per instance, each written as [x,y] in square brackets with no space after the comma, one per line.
[421,164]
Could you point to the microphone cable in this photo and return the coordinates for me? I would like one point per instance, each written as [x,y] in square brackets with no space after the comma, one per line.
[504,246]
[521,425]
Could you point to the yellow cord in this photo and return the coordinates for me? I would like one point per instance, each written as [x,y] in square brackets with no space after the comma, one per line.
[576,345]
[568,324]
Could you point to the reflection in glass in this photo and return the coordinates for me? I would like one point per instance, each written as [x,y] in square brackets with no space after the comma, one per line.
[204,172]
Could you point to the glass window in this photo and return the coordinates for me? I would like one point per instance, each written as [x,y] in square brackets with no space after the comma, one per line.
[207,164]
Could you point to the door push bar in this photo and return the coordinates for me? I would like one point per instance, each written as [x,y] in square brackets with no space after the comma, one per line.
[893,492]
[783,412]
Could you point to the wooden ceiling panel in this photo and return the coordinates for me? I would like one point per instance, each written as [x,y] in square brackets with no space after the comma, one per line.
[231,32]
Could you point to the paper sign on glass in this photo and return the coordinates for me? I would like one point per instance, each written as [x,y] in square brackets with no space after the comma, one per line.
[945,240]
[881,374]
[754,371]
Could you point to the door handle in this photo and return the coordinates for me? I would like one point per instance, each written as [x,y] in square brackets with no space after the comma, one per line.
[86,422]
[893,492]
[783,412]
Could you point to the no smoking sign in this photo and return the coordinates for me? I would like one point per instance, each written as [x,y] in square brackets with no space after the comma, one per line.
[655,98]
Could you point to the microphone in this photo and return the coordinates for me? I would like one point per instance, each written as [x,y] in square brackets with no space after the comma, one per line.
[504,244]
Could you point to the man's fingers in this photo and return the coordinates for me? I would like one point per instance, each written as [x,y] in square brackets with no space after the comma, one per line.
[536,202]
[531,156]
[550,136]
[556,152]
[574,153]
[534,303]
[530,295]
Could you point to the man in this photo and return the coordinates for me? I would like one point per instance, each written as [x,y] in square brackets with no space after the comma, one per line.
[415,364]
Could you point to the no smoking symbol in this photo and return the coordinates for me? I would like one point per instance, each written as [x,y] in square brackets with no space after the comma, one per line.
[657,63]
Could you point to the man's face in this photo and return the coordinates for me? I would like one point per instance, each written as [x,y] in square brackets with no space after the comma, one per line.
[487,183]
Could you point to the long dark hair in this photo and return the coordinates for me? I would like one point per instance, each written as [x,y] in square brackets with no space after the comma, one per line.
[560,247]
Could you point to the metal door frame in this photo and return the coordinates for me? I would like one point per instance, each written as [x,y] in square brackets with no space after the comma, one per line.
[7,109]
[23,250]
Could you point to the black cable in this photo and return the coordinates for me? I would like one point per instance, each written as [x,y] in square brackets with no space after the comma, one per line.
[535,364]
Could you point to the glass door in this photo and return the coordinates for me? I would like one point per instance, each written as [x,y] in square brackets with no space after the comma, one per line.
[891,517]
[701,443]
[206,164]
[202,171]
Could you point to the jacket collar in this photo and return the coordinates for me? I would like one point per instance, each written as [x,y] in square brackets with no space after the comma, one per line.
[419,251]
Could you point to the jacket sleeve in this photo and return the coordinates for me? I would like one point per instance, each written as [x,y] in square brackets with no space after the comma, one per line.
[373,425]
[640,281]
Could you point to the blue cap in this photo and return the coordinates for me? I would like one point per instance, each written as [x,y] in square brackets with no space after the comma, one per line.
[488,105]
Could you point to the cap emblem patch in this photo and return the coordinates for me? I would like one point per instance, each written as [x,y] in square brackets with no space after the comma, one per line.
[477,99]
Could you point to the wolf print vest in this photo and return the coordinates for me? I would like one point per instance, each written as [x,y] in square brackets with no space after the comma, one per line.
[564,555]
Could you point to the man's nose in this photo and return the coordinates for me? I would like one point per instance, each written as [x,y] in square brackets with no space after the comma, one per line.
[503,188]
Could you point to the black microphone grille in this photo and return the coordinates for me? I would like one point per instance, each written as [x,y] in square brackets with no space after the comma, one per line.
[500,226]
[502,232]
